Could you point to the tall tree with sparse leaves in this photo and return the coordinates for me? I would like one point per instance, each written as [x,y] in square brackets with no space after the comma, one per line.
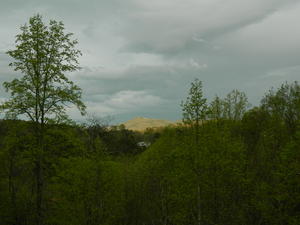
[235,105]
[195,108]
[43,54]
[195,111]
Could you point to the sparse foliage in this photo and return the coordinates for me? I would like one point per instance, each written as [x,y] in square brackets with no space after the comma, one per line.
[235,105]
[195,107]
[232,107]
[43,54]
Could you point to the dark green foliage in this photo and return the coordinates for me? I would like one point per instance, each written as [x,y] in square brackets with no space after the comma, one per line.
[284,105]
[121,141]
[117,139]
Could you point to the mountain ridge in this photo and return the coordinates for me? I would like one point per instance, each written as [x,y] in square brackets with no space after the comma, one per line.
[142,123]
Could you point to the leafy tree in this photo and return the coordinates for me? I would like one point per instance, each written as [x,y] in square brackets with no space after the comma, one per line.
[16,171]
[235,105]
[195,108]
[195,111]
[43,55]
[232,107]
[85,196]
[284,105]
[288,190]
[216,108]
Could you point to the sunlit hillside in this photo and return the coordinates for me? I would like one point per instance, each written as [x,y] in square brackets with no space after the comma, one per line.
[141,123]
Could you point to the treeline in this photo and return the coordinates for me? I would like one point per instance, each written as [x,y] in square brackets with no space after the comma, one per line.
[236,166]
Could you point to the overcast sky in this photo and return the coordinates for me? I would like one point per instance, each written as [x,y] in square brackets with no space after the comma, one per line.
[139,56]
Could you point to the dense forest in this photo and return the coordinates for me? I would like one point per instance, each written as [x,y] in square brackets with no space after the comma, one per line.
[226,163]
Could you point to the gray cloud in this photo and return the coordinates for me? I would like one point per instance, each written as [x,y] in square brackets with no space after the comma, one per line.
[170,26]
[140,56]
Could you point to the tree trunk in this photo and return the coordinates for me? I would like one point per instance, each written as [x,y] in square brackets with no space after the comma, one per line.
[12,188]
[199,212]
[39,192]
[39,175]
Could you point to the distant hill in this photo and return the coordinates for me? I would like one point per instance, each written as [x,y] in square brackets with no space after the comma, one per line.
[141,123]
